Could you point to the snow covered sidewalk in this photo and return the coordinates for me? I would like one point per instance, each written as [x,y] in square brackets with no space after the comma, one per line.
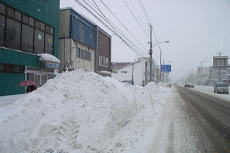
[82,112]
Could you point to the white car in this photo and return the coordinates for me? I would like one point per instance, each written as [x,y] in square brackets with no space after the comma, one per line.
[221,88]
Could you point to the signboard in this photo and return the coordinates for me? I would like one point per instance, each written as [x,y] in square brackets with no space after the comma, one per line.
[220,61]
[51,65]
[165,68]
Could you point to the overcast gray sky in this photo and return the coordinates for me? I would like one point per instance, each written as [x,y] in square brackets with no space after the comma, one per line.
[196,29]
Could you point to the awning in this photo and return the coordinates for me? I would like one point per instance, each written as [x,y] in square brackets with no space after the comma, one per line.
[49,61]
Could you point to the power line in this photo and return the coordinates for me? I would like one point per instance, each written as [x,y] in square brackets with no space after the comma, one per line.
[109,22]
[134,16]
[112,30]
[144,10]
[106,6]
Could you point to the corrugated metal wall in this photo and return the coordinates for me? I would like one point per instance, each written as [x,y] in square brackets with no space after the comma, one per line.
[9,84]
[8,56]
[82,30]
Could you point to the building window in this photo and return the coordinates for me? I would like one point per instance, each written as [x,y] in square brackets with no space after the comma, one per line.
[13,33]
[48,43]
[25,19]
[39,41]
[2,8]
[31,21]
[9,68]
[2,30]
[78,52]
[18,16]
[103,61]
[27,38]
[10,12]
[40,25]
[30,76]
[24,32]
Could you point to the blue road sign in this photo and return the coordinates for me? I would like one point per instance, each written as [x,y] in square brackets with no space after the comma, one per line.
[165,68]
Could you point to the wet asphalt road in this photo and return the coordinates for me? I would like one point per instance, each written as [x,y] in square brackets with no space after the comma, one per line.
[213,116]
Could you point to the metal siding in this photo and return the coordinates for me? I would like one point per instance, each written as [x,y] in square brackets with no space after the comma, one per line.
[8,56]
[82,30]
[9,84]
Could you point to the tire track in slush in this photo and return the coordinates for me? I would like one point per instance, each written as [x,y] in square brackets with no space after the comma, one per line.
[170,148]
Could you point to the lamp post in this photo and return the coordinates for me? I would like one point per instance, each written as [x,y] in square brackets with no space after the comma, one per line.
[150,53]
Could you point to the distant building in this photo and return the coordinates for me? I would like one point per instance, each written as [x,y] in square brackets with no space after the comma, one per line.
[27,28]
[138,72]
[117,65]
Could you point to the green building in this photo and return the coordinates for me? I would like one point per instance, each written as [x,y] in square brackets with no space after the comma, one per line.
[28,33]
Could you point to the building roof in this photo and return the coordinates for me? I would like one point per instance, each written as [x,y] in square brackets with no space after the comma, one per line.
[117,65]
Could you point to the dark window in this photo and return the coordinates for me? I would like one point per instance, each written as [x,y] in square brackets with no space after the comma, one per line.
[78,52]
[43,79]
[30,76]
[49,44]
[8,68]
[89,57]
[47,29]
[2,30]
[18,15]
[82,53]
[51,30]
[31,21]
[50,76]
[2,8]
[25,19]
[10,12]
[40,25]
[39,41]
[13,32]
[37,80]
[27,38]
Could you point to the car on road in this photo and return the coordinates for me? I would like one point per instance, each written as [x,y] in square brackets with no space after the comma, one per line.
[188,86]
[221,88]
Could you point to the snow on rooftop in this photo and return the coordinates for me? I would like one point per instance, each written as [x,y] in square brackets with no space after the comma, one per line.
[48,57]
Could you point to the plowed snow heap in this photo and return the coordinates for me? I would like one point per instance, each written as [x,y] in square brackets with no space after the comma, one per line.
[75,112]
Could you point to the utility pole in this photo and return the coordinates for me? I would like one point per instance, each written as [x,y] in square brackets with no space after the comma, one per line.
[132,73]
[151,52]
[219,71]
[160,64]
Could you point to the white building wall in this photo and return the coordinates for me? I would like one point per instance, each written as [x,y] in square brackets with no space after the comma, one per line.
[79,63]
[138,72]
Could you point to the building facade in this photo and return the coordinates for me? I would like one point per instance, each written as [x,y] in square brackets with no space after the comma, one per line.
[77,41]
[137,72]
[103,53]
[28,29]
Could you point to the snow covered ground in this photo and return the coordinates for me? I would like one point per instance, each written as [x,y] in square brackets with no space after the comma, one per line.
[82,112]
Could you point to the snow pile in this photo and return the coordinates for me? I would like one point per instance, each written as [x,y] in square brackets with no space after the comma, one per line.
[48,57]
[78,112]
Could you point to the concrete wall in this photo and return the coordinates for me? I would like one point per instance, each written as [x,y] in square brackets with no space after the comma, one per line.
[79,63]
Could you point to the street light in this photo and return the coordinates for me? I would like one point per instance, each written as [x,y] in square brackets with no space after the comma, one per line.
[161,53]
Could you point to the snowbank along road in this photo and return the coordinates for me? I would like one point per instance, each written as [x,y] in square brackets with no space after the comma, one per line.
[80,112]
